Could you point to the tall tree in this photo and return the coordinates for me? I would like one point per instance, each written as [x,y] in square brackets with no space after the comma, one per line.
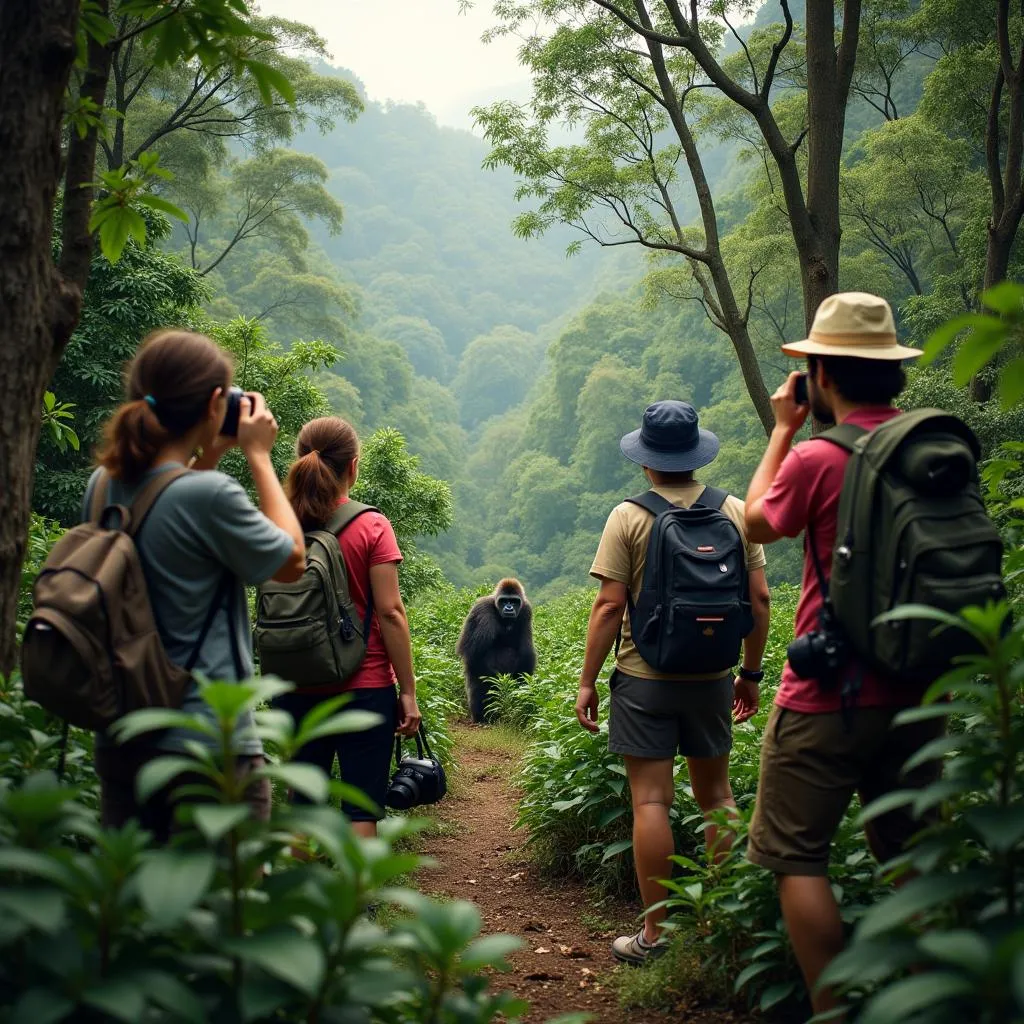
[623,184]
[42,295]
[810,185]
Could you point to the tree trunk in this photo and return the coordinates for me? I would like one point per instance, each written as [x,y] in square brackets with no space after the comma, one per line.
[37,48]
[829,72]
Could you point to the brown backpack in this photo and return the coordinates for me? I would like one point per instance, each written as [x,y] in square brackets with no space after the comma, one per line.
[92,651]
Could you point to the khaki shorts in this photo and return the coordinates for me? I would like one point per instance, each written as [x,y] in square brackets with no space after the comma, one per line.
[810,768]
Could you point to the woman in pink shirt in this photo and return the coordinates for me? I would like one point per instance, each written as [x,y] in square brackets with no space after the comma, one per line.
[319,480]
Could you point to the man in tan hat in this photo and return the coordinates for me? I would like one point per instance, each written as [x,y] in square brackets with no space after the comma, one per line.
[813,756]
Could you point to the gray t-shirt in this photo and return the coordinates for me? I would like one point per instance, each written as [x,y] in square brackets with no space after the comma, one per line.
[203,527]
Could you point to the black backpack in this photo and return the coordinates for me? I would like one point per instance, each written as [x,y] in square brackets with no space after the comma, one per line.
[693,609]
[912,529]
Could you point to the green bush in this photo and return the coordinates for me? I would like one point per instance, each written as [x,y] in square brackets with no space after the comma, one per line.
[948,945]
[224,925]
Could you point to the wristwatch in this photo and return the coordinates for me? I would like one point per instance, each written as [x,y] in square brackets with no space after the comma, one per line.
[751,676]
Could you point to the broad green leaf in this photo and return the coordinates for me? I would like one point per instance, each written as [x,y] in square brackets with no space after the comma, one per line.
[930,711]
[1007,298]
[935,750]
[284,954]
[170,883]
[961,948]
[155,202]
[908,997]
[1011,383]
[942,337]
[43,909]
[885,804]
[977,351]
[490,951]
[137,723]
[216,820]
[40,1006]
[341,724]
[775,994]
[612,814]
[348,794]
[307,779]
[161,771]
[38,865]
[1000,828]
[750,972]
[173,995]
[121,998]
[917,896]
[614,849]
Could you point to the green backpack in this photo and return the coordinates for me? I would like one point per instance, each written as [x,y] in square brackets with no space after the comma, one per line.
[912,529]
[308,631]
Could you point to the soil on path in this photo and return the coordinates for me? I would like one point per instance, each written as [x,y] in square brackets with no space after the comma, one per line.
[565,963]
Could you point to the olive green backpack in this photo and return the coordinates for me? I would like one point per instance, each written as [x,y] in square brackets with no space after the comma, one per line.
[912,529]
[308,632]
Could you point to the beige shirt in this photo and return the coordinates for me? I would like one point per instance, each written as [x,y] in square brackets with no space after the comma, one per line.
[623,551]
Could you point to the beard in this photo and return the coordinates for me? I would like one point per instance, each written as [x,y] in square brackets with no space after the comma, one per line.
[819,410]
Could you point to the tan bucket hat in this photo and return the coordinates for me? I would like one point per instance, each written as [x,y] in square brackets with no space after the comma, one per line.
[853,324]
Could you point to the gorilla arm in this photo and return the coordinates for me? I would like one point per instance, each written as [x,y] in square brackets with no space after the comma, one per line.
[479,634]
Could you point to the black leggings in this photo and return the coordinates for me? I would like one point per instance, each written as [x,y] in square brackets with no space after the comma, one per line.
[364,758]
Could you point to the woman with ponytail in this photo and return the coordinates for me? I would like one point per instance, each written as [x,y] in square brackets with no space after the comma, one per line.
[319,480]
[200,543]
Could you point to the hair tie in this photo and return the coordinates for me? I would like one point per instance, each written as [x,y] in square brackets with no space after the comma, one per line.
[150,401]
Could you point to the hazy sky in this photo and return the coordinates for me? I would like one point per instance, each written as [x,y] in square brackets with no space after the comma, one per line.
[415,50]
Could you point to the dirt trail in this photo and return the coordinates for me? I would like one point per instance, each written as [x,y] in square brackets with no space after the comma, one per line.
[564,965]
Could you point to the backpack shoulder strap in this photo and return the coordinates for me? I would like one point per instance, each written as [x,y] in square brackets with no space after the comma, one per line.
[712,497]
[98,501]
[144,501]
[844,435]
[346,514]
[652,502]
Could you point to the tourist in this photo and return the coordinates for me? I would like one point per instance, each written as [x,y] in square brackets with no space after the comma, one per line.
[816,754]
[685,704]
[200,543]
[318,487]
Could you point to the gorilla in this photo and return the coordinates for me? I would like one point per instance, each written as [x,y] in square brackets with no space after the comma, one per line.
[497,639]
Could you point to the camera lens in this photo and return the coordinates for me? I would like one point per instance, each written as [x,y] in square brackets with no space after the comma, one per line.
[229,428]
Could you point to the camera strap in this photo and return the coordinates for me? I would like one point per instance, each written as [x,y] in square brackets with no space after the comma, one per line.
[849,692]
[422,744]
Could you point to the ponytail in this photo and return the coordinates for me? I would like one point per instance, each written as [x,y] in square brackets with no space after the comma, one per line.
[169,385]
[132,439]
[322,472]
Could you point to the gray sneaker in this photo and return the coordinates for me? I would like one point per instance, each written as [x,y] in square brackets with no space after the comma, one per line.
[635,949]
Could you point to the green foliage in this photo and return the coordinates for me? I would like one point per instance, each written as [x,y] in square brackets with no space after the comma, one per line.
[57,417]
[146,289]
[996,337]
[947,945]
[224,924]
[416,504]
[283,377]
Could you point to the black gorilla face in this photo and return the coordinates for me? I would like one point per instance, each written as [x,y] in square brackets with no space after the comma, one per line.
[508,607]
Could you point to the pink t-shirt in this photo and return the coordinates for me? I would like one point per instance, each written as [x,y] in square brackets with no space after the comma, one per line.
[367,541]
[806,492]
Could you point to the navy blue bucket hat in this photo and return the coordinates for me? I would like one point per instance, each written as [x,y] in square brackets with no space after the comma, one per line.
[670,439]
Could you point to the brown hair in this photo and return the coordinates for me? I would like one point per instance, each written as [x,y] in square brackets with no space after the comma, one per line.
[168,386]
[325,450]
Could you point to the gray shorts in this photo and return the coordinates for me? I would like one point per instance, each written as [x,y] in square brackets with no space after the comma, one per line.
[659,718]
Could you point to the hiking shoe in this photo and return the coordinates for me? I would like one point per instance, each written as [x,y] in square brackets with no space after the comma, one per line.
[635,949]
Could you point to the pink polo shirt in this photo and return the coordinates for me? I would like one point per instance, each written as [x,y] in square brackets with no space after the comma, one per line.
[806,493]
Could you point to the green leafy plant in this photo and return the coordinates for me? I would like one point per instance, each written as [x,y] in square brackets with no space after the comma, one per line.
[56,418]
[223,925]
[990,337]
[948,944]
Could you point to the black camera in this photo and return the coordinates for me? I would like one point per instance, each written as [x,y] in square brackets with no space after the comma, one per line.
[800,395]
[229,428]
[417,780]
[821,654]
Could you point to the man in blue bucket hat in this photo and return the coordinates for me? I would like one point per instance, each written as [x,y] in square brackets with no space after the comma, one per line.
[657,714]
